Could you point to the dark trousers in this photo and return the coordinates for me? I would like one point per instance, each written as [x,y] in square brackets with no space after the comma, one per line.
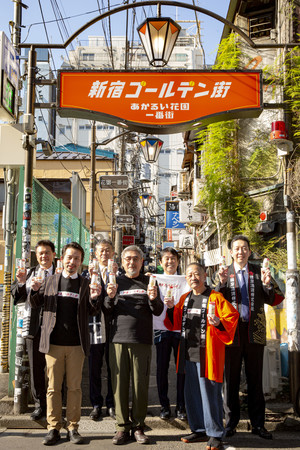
[37,365]
[253,359]
[163,354]
[97,352]
[130,363]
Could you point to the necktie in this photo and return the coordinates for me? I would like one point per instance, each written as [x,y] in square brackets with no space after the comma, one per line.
[104,275]
[46,273]
[245,300]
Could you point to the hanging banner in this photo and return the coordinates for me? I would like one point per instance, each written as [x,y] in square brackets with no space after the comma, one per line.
[159,102]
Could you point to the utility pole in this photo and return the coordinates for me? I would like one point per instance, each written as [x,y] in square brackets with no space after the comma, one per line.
[21,359]
[292,294]
[292,274]
[11,179]
[92,191]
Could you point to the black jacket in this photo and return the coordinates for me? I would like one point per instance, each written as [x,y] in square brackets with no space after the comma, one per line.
[262,295]
[131,311]
[20,294]
[46,296]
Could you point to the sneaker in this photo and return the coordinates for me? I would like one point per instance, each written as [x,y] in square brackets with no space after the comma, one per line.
[51,437]
[195,437]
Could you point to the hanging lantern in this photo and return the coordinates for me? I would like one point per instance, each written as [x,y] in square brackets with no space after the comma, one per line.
[151,147]
[158,36]
[145,199]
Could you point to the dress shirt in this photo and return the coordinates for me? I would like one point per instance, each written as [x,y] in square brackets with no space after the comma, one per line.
[65,275]
[237,269]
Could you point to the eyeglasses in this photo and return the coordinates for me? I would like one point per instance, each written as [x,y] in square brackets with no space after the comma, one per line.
[131,258]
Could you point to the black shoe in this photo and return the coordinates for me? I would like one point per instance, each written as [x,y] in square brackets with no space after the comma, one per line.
[229,432]
[214,444]
[180,412]
[96,413]
[121,437]
[195,437]
[37,414]
[165,413]
[74,436]
[111,412]
[51,437]
[262,432]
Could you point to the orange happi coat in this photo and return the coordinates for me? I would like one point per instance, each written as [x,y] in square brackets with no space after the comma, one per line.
[215,339]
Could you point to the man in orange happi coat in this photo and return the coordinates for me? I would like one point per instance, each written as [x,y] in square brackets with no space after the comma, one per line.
[207,322]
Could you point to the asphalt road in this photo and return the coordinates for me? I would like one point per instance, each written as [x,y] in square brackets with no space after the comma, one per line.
[162,439]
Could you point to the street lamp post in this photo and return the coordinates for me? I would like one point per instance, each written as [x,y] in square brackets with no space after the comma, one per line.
[284,149]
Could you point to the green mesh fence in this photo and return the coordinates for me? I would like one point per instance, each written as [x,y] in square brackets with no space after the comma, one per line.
[50,219]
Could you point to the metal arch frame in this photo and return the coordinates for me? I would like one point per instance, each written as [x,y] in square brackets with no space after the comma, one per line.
[142,4]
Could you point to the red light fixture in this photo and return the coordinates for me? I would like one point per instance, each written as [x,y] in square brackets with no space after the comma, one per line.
[263,216]
[278,130]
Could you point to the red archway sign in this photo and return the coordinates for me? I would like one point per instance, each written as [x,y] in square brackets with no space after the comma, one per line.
[161,101]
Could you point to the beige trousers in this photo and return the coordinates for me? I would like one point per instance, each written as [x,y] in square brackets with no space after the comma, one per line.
[63,360]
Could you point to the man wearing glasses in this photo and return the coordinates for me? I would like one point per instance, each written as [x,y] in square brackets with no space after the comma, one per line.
[131,303]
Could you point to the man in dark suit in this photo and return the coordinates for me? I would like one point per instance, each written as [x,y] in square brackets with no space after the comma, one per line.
[248,288]
[45,254]
[67,301]
[99,337]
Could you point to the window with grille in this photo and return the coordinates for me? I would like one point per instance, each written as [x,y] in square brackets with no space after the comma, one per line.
[260,26]
[88,56]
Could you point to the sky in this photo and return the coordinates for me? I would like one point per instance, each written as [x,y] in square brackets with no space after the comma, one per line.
[76,13]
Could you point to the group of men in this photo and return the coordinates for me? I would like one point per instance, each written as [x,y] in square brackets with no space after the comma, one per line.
[206,329]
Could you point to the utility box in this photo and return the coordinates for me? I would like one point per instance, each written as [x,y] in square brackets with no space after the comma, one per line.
[9,79]
[11,149]
[272,368]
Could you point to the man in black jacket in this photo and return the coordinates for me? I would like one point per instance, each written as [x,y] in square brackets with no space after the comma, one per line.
[45,254]
[131,304]
[68,300]
[248,288]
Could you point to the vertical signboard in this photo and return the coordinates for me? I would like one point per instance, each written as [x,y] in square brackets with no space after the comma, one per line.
[172,215]
[9,75]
